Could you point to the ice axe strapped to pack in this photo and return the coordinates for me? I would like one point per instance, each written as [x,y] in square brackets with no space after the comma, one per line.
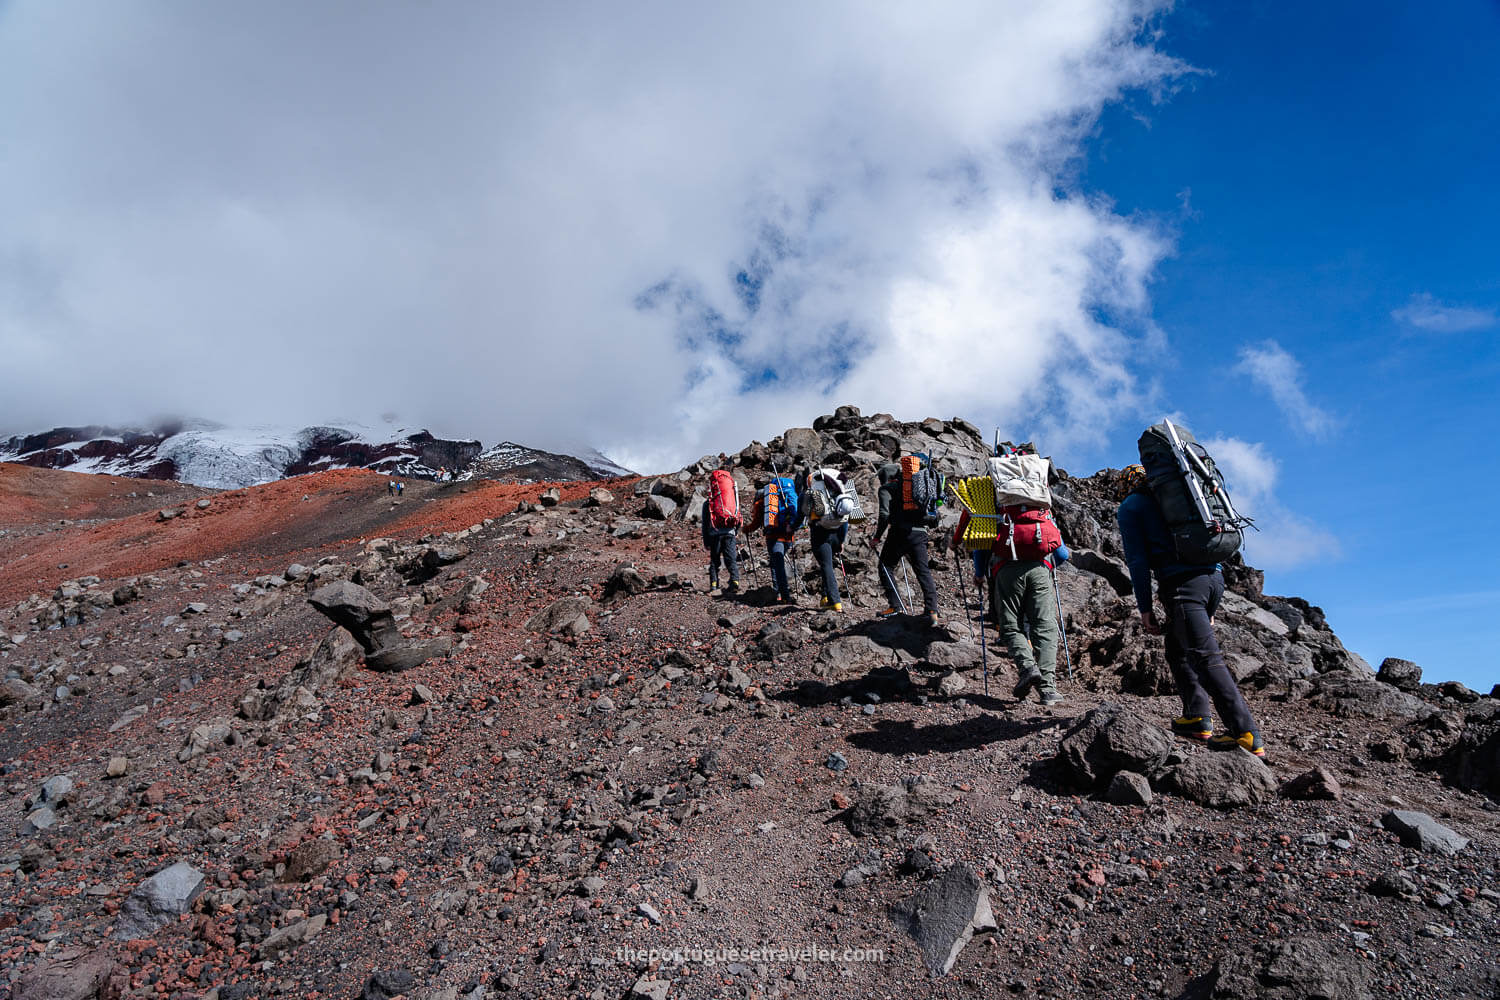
[1189,489]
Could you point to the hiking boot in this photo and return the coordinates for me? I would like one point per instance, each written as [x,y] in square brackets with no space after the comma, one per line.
[838,606]
[713,588]
[888,613]
[1197,727]
[733,588]
[930,619]
[1249,742]
[1050,698]
[1029,680]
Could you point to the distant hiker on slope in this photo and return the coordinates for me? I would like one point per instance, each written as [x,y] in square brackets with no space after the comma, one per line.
[777,513]
[721,521]
[909,494]
[1164,534]
[831,506]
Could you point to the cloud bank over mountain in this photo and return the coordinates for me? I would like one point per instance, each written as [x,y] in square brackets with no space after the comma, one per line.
[657,229]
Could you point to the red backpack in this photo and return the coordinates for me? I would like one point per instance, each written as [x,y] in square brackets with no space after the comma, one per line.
[1026,534]
[723,501]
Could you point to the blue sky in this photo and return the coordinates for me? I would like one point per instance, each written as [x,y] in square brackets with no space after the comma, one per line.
[1330,182]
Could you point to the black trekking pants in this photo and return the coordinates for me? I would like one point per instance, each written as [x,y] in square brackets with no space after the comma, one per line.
[910,543]
[1193,652]
[721,549]
[827,544]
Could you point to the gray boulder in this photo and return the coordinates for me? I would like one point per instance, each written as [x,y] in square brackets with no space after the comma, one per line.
[298,690]
[367,617]
[1129,789]
[1346,693]
[1297,969]
[1314,784]
[1223,780]
[877,808]
[1110,739]
[68,974]
[562,616]
[1402,674]
[1420,831]
[945,916]
[658,508]
[802,444]
[163,897]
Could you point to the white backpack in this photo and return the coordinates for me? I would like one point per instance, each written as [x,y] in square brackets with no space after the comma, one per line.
[833,501]
[1021,479]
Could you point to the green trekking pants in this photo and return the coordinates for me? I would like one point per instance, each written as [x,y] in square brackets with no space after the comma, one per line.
[1023,596]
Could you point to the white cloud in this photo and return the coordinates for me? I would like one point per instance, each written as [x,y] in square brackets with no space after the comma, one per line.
[1276,371]
[1284,539]
[580,223]
[1426,313]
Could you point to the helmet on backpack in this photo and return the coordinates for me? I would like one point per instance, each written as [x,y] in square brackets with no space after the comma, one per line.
[1132,478]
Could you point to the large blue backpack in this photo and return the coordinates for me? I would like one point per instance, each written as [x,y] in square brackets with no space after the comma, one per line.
[779,505]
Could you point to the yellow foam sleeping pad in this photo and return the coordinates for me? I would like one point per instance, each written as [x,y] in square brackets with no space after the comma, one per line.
[978,496]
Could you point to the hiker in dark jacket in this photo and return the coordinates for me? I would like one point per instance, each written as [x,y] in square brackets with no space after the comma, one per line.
[1190,594]
[778,544]
[827,543]
[908,539]
[720,545]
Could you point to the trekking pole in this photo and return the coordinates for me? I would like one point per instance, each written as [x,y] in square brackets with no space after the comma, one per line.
[894,589]
[906,578]
[1056,593]
[963,595]
[983,642]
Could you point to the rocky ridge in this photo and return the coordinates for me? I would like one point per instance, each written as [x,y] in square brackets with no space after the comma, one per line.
[594,758]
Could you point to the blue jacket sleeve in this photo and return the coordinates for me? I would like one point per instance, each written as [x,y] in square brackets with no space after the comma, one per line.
[1137,551]
[1062,555]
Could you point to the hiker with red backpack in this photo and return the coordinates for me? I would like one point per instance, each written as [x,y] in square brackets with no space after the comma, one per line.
[1022,567]
[777,513]
[721,522]
[1177,523]
[909,496]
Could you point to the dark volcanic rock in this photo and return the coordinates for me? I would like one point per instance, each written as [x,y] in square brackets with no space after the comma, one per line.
[1314,784]
[1112,738]
[1296,969]
[70,974]
[1402,674]
[1223,780]
[944,917]
[334,656]
[562,615]
[366,616]
[1345,693]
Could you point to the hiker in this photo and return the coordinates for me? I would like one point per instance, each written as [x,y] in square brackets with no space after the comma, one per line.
[1027,550]
[907,520]
[390,488]
[831,505]
[777,513]
[719,540]
[400,488]
[1190,593]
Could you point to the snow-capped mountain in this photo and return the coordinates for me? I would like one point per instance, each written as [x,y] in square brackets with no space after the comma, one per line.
[218,457]
[508,460]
